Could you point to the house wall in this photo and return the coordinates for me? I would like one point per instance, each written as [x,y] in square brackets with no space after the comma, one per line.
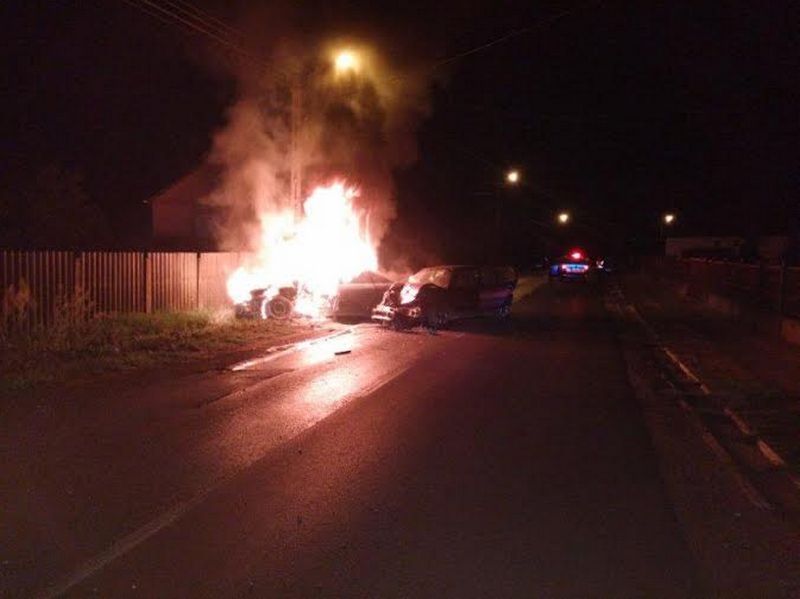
[173,220]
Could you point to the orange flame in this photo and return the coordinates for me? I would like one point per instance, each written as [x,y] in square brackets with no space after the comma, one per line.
[314,254]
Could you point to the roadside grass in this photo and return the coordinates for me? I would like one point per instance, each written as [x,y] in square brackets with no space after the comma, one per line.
[527,285]
[73,349]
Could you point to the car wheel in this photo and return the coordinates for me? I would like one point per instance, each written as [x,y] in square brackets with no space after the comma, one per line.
[437,319]
[504,311]
[279,308]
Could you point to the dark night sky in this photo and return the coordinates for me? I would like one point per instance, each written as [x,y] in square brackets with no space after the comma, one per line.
[617,111]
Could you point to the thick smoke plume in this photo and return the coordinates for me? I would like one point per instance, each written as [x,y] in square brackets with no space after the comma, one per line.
[355,126]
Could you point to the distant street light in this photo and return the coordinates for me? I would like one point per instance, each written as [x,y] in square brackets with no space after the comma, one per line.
[346,61]
[667,220]
[563,218]
[513,177]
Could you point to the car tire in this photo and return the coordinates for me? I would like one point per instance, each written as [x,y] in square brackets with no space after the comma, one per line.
[503,312]
[437,319]
[279,308]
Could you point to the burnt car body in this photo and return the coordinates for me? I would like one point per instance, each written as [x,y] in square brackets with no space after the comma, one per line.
[358,298]
[438,295]
[262,304]
[355,299]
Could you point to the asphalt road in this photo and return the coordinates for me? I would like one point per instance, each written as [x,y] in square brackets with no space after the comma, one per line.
[490,460]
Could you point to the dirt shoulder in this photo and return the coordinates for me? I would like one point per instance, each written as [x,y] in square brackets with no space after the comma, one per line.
[743,545]
[116,351]
[754,373]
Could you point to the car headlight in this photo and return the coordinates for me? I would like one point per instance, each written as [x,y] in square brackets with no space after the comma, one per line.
[408,294]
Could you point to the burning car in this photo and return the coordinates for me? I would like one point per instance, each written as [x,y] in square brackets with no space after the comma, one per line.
[302,258]
[355,299]
[437,295]
[266,303]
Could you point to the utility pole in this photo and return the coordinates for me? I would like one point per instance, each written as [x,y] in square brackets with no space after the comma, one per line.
[295,158]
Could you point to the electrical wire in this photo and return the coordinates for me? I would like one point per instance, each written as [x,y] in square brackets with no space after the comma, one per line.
[201,14]
[512,34]
[192,21]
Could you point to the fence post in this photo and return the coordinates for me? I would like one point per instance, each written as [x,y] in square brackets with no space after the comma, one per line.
[77,277]
[782,290]
[147,282]
[197,303]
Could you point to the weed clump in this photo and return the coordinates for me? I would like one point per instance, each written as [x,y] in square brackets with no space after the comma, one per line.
[78,342]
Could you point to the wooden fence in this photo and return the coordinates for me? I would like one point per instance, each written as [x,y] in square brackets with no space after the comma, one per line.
[39,281]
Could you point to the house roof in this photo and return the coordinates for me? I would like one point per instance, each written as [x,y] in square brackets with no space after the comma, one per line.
[190,188]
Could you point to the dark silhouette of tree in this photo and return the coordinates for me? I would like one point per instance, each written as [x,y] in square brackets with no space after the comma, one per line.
[51,209]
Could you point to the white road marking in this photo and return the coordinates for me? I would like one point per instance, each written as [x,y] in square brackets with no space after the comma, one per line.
[283,350]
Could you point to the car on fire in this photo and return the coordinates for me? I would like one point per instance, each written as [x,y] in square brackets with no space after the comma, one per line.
[268,303]
[574,266]
[437,295]
[354,299]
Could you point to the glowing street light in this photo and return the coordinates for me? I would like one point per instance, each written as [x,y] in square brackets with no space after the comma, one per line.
[513,177]
[669,218]
[346,61]
[563,218]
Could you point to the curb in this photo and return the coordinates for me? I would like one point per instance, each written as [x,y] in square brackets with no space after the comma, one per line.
[769,453]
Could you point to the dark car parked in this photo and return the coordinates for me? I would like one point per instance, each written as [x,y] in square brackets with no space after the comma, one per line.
[357,298]
[437,295]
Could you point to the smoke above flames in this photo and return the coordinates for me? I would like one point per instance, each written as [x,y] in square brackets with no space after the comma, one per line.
[355,126]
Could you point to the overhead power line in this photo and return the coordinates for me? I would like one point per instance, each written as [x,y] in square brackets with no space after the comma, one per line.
[206,16]
[515,33]
[185,15]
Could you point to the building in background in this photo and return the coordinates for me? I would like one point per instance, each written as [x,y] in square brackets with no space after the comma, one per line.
[703,247]
[770,249]
[180,218]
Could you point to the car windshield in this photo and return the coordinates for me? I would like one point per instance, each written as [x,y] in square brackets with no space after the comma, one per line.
[436,276]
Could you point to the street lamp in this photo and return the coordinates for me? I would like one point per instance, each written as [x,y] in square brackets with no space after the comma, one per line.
[346,61]
[667,220]
[513,177]
[563,218]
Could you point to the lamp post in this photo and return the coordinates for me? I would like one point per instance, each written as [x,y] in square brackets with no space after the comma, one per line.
[346,61]
[667,220]
[563,218]
[295,166]
[513,177]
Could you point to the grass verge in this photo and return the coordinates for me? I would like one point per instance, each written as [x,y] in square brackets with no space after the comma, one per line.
[83,348]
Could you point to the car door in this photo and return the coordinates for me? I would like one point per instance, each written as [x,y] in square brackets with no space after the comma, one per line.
[490,295]
[463,291]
